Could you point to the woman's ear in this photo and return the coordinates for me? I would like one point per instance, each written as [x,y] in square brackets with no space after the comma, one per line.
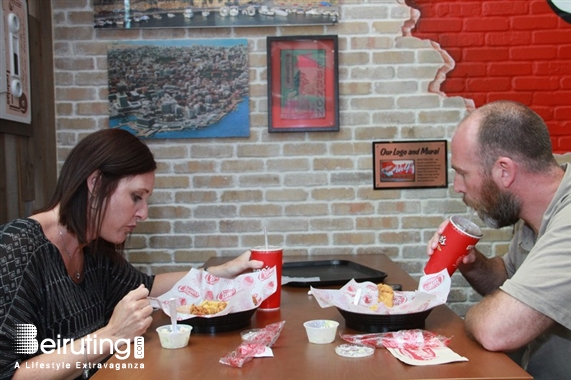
[92,180]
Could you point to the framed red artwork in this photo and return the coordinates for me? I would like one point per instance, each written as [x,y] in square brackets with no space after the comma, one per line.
[303,83]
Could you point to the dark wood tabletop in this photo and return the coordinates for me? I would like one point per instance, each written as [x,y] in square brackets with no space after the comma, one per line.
[296,358]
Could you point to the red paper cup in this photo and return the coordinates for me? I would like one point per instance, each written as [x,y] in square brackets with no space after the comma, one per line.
[458,239]
[271,256]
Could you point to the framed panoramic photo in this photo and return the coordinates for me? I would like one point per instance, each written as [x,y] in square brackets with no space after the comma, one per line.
[303,83]
[410,164]
[161,14]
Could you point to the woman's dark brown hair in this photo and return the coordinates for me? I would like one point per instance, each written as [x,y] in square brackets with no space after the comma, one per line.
[114,154]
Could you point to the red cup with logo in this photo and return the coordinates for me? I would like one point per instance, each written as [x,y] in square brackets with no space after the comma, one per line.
[458,239]
[271,256]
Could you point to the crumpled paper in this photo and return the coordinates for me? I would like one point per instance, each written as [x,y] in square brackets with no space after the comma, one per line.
[414,347]
[362,297]
[258,346]
[242,293]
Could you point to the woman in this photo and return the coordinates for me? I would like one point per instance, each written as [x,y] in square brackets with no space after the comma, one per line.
[63,268]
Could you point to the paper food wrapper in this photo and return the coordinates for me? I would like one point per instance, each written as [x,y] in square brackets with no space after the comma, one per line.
[362,297]
[426,356]
[414,347]
[242,293]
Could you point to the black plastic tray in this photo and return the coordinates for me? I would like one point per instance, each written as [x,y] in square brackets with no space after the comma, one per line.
[330,272]
[377,323]
[222,323]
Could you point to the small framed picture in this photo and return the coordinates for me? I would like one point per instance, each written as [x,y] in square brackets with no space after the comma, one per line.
[410,164]
[303,83]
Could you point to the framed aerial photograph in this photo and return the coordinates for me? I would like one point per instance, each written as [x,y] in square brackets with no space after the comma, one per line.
[410,164]
[179,88]
[303,83]
[148,14]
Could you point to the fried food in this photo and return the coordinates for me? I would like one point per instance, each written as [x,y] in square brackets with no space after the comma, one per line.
[386,294]
[204,308]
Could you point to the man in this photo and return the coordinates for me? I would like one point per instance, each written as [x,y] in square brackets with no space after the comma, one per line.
[506,171]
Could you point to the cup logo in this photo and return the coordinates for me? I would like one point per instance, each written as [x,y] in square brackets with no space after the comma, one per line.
[265,273]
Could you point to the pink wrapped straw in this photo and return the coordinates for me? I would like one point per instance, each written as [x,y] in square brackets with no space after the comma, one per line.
[254,346]
[408,339]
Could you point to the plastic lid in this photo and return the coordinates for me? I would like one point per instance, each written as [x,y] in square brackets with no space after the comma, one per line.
[354,350]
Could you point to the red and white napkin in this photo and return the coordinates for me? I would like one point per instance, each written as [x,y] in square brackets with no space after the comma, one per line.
[362,297]
[242,293]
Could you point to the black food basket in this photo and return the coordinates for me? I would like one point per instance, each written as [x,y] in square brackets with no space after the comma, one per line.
[222,323]
[377,323]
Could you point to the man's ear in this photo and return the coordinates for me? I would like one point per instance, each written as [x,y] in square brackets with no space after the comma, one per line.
[504,172]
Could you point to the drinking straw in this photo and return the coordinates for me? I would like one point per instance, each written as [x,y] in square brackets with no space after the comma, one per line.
[172,306]
[471,214]
[266,236]
[357,297]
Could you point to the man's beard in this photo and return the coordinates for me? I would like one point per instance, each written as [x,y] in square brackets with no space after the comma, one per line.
[496,208]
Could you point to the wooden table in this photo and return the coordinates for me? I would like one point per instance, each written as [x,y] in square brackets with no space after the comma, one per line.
[296,358]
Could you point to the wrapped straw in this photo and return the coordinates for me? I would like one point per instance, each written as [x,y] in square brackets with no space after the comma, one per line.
[253,347]
[408,339]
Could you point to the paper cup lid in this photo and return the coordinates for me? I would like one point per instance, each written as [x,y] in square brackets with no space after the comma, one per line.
[354,351]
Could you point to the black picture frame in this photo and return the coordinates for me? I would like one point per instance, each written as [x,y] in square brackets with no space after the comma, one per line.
[113,14]
[303,83]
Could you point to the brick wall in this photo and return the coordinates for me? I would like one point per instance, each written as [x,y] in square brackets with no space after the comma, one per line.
[314,191]
[505,49]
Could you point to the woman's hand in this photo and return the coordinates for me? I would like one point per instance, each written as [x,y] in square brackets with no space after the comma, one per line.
[132,315]
[236,266]
[165,281]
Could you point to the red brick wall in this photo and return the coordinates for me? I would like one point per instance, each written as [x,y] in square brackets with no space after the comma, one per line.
[505,49]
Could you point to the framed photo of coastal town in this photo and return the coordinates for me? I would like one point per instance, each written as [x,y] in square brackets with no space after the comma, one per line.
[179,88]
[303,83]
[410,164]
[147,14]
